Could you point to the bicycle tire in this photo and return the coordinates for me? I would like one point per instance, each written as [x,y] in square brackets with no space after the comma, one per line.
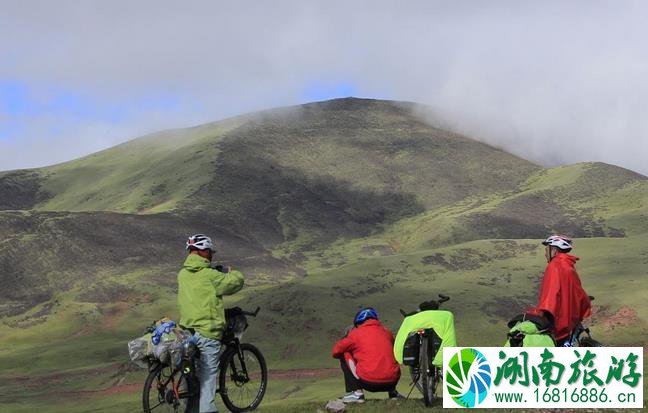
[146,393]
[228,360]
[427,373]
[147,389]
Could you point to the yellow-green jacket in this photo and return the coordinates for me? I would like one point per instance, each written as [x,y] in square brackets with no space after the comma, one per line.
[200,296]
[441,321]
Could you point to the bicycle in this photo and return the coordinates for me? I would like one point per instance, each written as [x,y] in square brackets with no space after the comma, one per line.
[425,344]
[545,326]
[242,378]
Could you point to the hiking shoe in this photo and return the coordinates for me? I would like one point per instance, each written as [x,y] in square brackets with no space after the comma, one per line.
[353,397]
[396,396]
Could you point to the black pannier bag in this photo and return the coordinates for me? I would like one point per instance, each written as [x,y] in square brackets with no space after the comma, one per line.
[411,349]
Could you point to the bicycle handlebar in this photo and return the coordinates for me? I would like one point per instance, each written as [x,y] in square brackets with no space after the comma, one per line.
[442,299]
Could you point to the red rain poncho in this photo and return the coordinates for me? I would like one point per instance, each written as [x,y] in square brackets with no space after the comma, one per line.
[562,295]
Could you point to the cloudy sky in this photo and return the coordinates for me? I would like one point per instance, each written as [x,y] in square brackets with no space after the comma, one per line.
[556,82]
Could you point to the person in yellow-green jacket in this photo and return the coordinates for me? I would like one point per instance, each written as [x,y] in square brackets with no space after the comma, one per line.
[200,302]
[429,316]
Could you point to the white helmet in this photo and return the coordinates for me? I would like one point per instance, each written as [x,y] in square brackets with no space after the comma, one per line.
[561,242]
[200,242]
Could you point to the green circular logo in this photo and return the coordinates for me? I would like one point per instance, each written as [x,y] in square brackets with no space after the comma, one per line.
[468,377]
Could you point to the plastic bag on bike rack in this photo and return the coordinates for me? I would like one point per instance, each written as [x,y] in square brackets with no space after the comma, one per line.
[171,348]
[178,350]
[139,349]
[176,354]
[162,351]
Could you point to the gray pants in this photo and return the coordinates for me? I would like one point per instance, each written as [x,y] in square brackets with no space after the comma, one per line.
[207,373]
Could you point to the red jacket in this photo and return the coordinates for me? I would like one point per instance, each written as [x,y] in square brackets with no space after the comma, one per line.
[372,348]
[562,295]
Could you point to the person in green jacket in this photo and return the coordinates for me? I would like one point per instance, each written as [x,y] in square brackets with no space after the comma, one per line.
[200,301]
[429,316]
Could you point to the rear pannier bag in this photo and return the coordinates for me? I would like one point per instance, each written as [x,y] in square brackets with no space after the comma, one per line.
[411,349]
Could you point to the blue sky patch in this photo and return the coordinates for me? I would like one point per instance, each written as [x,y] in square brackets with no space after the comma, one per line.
[20,104]
[316,91]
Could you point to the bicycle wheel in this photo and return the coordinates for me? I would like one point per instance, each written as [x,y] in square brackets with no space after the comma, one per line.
[160,387]
[429,374]
[243,378]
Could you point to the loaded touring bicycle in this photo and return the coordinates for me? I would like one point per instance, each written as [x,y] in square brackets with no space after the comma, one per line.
[172,384]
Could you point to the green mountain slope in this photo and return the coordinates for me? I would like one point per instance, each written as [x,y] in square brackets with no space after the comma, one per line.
[374,146]
[149,174]
[43,254]
[325,207]
[583,200]
[268,185]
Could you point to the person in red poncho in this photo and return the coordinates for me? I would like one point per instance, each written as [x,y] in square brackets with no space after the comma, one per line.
[562,297]
[367,358]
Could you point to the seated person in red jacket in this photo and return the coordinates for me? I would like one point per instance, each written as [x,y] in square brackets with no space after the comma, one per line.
[367,358]
[562,297]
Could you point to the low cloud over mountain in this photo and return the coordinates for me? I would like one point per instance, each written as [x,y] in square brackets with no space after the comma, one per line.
[554,82]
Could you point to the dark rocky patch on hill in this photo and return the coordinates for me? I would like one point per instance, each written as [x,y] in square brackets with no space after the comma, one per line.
[21,190]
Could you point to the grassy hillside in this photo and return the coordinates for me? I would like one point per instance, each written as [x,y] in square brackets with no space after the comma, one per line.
[43,254]
[489,282]
[149,174]
[325,207]
[584,200]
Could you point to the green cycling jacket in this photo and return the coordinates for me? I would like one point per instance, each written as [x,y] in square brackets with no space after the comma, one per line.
[200,296]
[440,320]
